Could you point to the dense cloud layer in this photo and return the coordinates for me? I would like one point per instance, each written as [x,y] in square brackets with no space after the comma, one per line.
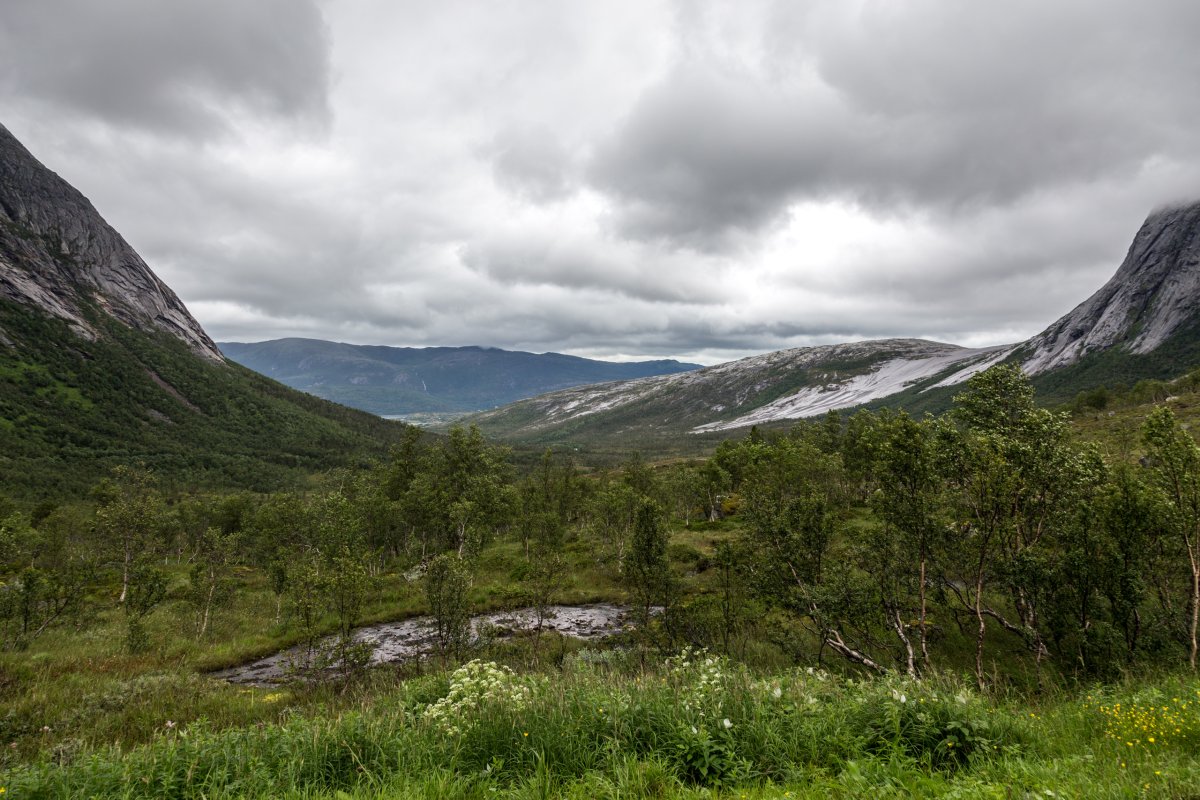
[620,179]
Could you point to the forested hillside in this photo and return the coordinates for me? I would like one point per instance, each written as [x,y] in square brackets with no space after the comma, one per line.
[71,409]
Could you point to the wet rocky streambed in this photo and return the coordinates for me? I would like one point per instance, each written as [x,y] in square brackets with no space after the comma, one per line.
[414,638]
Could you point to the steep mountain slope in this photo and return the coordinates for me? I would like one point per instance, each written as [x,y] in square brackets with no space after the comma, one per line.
[58,253]
[404,380]
[1144,323]
[101,364]
[787,384]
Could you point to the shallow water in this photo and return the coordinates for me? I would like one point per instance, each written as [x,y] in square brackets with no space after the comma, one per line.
[411,638]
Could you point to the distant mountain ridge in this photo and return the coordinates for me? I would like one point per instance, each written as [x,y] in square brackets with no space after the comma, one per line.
[405,380]
[1143,323]
[785,384]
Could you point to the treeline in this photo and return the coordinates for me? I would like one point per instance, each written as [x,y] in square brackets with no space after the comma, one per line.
[987,520]
[978,538]
[1118,396]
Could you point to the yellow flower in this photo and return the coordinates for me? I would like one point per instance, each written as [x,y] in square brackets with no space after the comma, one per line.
[526,733]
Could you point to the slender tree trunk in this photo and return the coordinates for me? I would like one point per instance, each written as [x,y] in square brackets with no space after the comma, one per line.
[462,539]
[910,666]
[125,565]
[1195,606]
[833,638]
[212,588]
[924,612]
[980,634]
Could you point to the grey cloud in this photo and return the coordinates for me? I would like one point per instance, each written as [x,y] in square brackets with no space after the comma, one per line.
[939,106]
[533,164]
[594,180]
[559,259]
[181,66]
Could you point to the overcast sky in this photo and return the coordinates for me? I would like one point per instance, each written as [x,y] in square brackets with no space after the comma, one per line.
[616,179]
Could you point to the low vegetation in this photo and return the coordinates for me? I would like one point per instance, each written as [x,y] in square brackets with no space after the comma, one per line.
[985,604]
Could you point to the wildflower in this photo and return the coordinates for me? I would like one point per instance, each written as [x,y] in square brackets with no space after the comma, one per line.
[777,692]
[473,685]
[170,724]
[727,723]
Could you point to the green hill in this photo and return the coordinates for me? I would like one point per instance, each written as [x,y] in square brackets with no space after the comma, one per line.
[70,409]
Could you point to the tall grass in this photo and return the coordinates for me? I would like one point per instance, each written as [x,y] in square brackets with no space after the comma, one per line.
[694,728]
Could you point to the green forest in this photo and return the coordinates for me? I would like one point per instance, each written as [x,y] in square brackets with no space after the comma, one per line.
[999,601]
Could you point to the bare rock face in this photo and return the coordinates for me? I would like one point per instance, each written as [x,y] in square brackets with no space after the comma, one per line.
[1153,293]
[57,252]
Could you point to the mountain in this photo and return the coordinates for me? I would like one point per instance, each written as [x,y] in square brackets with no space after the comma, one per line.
[786,384]
[1143,323]
[406,380]
[101,364]
[58,254]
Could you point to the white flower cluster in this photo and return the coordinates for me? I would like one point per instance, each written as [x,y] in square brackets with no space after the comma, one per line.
[701,677]
[473,686]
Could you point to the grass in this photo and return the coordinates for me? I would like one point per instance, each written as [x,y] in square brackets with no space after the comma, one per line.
[599,728]
[78,681]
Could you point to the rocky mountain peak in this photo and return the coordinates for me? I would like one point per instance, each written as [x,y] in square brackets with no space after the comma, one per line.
[58,253]
[1152,294]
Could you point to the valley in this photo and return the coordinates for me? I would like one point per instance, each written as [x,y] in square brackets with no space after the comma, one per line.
[772,577]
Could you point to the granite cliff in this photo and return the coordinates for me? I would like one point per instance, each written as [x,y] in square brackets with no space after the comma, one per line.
[1153,297]
[59,255]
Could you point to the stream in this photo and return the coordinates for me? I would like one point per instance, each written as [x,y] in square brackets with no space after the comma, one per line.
[415,637]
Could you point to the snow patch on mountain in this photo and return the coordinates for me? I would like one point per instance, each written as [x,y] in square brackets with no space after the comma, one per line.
[885,380]
[998,354]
